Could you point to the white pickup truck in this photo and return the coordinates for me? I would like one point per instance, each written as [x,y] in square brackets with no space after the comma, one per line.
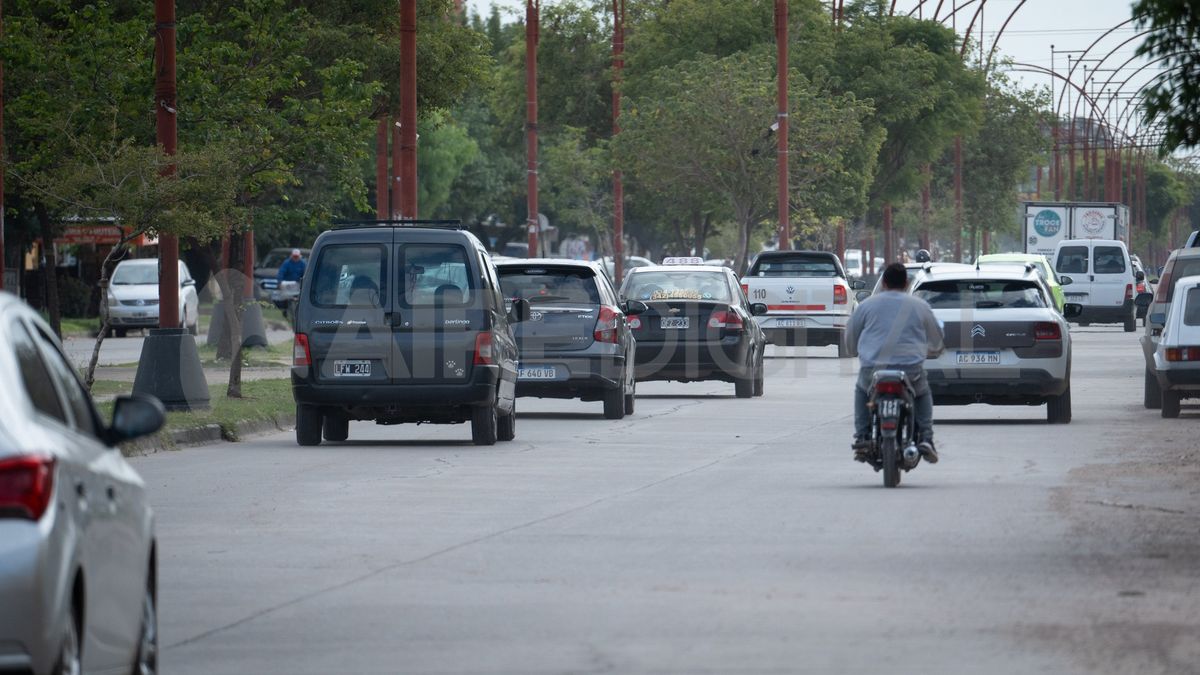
[807,295]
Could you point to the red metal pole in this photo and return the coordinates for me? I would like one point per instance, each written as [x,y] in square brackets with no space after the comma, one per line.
[408,108]
[781,119]
[532,8]
[382,185]
[1038,194]
[1087,178]
[958,202]
[165,133]
[394,192]
[248,264]
[618,48]
[2,249]
[888,244]
[841,242]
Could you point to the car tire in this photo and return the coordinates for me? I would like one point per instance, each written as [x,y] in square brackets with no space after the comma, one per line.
[308,425]
[69,659]
[1152,396]
[743,387]
[506,425]
[336,427]
[631,398]
[1130,323]
[146,660]
[1170,404]
[484,425]
[614,404]
[1058,408]
[120,332]
[759,379]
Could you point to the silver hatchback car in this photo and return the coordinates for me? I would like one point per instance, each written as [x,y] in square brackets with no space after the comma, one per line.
[77,555]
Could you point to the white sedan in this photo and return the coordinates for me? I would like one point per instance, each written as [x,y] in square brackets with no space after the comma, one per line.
[132,297]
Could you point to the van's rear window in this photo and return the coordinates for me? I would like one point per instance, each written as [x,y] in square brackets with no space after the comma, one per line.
[795,266]
[1109,260]
[350,275]
[1072,260]
[435,275]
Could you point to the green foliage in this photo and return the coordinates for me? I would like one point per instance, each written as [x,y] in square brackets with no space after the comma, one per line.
[446,149]
[1167,189]
[1174,97]
[578,184]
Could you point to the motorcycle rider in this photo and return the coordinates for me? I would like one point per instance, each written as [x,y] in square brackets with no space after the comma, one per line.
[893,330]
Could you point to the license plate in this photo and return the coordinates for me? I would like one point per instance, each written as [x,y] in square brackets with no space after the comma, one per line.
[976,358]
[1076,296]
[538,373]
[140,315]
[352,368]
[674,322]
[790,323]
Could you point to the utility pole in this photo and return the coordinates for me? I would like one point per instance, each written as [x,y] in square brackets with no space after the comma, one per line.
[166,135]
[3,252]
[532,9]
[408,108]
[781,121]
[382,184]
[958,202]
[618,48]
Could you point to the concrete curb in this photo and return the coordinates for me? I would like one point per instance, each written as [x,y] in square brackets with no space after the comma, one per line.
[207,434]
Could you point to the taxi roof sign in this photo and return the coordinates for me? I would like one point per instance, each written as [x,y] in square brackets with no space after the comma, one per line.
[683,260]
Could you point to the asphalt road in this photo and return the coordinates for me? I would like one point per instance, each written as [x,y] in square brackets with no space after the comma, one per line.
[704,534]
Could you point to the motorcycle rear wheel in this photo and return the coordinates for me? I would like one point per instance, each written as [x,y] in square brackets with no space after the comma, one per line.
[890,455]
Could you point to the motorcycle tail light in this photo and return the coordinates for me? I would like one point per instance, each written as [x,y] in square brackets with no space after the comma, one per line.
[890,387]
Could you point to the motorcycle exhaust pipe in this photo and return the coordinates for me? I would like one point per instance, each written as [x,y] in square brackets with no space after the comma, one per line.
[911,456]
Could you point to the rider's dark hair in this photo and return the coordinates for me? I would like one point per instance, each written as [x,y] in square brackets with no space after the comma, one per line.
[895,277]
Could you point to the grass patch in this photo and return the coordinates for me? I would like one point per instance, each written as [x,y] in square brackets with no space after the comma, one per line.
[77,327]
[256,357]
[262,400]
[102,388]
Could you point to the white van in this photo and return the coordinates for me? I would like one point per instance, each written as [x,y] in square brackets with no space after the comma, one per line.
[854,263]
[1102,279]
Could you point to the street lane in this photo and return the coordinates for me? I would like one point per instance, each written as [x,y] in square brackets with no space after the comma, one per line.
[704,534]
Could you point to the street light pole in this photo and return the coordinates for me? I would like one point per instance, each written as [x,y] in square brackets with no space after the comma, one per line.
[531,123]
[166,135]
[618,49]
[781,120]
[408,108]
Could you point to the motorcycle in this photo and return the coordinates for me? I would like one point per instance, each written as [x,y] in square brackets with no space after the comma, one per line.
[893,425]
[285,297]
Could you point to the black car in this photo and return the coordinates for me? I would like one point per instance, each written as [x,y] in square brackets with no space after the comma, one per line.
[403,321]
[698,325]
[577,342]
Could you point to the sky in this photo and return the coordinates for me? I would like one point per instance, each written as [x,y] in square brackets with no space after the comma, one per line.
[1068,25]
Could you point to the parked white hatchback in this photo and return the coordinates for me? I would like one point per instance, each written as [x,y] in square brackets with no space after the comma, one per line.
[132,297]
[1177,354]
[1006,344]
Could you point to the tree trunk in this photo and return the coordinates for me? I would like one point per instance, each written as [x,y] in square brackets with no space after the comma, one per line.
[113,253]
[50,270]
[230,282]
[702,224]
[230,261]
[743,245]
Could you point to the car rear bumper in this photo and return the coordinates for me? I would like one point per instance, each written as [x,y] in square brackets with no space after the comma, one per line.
[577,377]
[1008,386]
[30,596]
[804,329]
[400,402]
[727,359]
[1178,378]
[1101,314]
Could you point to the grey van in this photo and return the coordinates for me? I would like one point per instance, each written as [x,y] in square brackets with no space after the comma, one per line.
[403,321]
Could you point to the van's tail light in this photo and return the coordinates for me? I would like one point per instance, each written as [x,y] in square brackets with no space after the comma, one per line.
[727,320]
[484,354]
[607,322]
[1183,353]
[890,387]
[26,483]
[1047,330]
[839,294]
[1128,292]
[301,356]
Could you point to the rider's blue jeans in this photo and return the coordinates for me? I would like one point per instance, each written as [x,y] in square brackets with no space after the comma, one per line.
[923,405]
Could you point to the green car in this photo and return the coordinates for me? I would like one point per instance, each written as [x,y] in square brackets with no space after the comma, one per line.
[1043,266]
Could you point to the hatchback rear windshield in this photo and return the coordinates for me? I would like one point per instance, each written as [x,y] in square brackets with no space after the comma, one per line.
[435,275]
[681,285]
[540,285]
[1072,260]
[1191,308]
[795,266]
[350,275]
[1109,260]
[980,294]
[1183,267]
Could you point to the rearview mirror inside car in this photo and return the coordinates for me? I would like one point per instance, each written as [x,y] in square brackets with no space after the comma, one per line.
[1065,281]
[758,309]
[1143,299]
[632,307]
[857,285]
[1072,310]
[519,311]
[135,416]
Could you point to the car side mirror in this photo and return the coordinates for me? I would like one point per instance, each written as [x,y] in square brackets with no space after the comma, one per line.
[1072,310]
[632,307]
[1139,275]
[135,416]
[862,295]
[1065,281]
[1143,299]
[858,285]
[1159,318]
[758,309]
[519,311]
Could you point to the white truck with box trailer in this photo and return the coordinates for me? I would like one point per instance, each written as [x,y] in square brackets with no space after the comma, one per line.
[1047,223]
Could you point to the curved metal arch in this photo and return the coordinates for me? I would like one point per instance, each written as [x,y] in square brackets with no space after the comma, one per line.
[1087,51]
[962,52]
[996,40]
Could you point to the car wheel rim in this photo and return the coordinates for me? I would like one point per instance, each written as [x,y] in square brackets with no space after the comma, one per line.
[70,650]
[148,650]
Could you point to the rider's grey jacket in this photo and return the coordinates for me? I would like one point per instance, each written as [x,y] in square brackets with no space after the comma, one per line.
[893,329]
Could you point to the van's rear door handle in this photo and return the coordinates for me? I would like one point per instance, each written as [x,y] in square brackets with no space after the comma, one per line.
[392,319]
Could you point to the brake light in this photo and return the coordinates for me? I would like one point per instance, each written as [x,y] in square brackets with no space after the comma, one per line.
[1141,287]
[483,349]
[607,323]
[1047,330]
[26,483]
[1183,353]
[890,387]
[301,356]
[746,290]
[730,321]
[839,294]
[1128,292]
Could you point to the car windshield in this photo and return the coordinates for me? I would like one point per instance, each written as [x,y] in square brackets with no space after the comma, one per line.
[795,266]
[131,275]
[980,294]
[678,285]
[550,286]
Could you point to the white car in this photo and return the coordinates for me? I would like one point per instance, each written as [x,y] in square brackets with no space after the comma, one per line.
[1006,344]
[132,297]
[1177,353]
[1102,280]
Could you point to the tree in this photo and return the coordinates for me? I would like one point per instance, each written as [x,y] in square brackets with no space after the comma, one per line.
[1174,97]
[578,185]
